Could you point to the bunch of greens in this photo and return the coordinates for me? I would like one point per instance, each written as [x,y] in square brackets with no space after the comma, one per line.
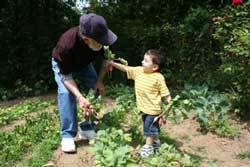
[178,109]
[96,103]
[111,56]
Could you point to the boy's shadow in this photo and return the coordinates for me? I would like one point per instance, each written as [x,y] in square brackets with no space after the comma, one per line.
[166,139]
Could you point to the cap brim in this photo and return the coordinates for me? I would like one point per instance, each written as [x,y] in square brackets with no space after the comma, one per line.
[108,39]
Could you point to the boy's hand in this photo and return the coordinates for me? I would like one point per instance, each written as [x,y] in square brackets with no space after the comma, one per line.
[118,66]
[160,120]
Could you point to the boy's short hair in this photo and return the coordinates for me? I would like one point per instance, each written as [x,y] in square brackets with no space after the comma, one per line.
[156,56]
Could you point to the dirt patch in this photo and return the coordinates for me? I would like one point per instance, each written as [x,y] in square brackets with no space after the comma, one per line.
[220,151]
[82,158]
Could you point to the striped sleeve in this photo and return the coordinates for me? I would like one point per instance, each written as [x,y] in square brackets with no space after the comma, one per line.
[131,72]
[162,87]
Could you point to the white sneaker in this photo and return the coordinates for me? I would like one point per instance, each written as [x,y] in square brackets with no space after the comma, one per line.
[68,145]
[87,134]
[146,151]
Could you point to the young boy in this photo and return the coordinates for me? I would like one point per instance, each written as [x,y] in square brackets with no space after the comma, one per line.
[150,90]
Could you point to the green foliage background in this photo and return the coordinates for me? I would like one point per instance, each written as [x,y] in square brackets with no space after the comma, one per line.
[29,30]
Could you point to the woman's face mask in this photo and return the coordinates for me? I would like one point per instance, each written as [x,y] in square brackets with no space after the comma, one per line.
[93,45]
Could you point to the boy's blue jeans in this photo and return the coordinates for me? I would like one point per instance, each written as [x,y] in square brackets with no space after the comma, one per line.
[67,101]
[150,128]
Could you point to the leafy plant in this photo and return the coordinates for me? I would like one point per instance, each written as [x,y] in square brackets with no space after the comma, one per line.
[23,138]
[111,148]
[113,117]
[43,151]
[168,156]
[243,155]
[211,108]
[108,53]
[179,109]
[125,99]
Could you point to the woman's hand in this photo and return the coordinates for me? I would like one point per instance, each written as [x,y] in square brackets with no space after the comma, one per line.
[85,105]
[83,102]
[109,65]
[99,86]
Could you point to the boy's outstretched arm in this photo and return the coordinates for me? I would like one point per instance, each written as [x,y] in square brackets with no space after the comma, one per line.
[119,66]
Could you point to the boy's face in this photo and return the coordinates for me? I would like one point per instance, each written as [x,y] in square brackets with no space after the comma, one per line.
[148,65]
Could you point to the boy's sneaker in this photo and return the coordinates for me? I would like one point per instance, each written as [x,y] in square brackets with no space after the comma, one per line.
[156,145]
[146,150]
[68,145]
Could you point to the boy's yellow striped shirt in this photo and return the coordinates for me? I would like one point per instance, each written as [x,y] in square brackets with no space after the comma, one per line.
[149,89]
